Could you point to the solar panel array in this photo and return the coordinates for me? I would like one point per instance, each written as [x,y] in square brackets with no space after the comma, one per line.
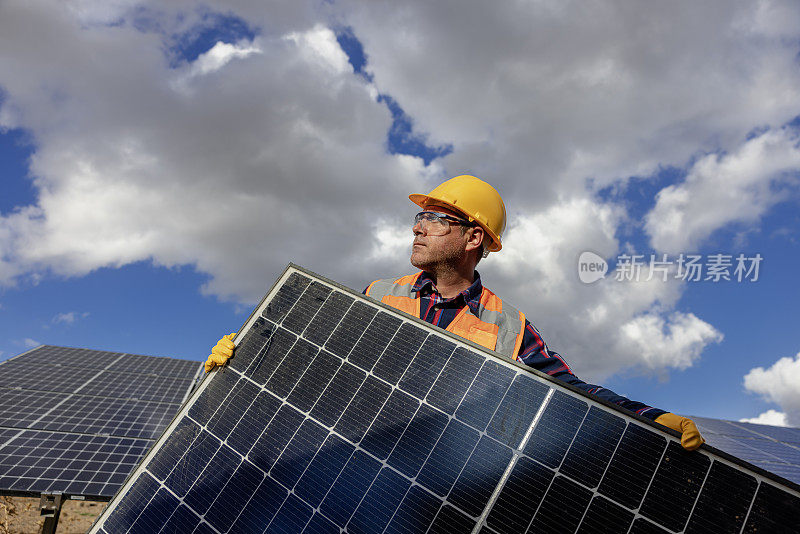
[340,414]
[773,448]
[79,421]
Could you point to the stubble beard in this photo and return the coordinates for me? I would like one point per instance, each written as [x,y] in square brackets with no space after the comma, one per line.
[442,258]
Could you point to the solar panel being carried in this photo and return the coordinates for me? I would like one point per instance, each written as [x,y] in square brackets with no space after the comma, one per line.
[338,413]
[77,421]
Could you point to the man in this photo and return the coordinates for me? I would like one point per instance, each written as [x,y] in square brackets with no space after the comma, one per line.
[462,221]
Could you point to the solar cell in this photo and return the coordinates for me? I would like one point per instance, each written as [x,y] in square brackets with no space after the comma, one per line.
[69,423]
[338,413]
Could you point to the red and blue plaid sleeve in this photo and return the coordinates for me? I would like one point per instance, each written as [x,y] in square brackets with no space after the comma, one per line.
[534,352]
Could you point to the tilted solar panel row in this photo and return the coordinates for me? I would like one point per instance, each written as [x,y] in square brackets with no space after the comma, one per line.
[773,448]
[78,421]
[338,413]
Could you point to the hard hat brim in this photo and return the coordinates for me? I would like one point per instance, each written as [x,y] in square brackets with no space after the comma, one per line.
[423,200]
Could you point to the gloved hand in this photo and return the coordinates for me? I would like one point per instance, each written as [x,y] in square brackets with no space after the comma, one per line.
[690,436]
[221,352]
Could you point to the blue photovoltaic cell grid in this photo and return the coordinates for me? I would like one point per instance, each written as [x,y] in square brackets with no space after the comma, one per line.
[78,420]
[773,448]
[336,415]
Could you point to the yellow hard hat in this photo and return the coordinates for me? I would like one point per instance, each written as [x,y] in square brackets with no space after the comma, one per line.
[477,200]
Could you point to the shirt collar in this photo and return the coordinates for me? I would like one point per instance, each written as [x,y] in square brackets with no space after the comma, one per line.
[472,295]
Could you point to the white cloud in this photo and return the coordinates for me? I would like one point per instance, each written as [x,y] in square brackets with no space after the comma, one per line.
[721,189]
[779,383]
[273,150]
[770,417]
[673,341]
[319,45]
[599,328]
[29,343]
[263,164]
[69,317]
[549,93]
[221,54]
[210,62]
[390,241]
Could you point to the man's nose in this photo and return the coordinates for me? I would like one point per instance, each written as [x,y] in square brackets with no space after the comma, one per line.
[417,228]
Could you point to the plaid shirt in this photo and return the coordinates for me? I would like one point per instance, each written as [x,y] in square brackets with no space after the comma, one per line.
[440,311]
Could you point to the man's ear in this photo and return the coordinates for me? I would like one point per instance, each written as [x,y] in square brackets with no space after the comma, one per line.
[476,237]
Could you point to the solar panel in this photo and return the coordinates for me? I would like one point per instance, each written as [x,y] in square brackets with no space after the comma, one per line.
[774,448]
[53,355]
[78,420]
[75,464]
[338,413]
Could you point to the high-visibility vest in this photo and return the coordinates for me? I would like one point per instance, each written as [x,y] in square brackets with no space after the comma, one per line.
[498,326]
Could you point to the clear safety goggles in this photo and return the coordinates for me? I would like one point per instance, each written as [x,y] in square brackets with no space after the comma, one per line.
[437,223]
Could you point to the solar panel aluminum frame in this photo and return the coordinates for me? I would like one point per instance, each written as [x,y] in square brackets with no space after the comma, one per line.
[553,384]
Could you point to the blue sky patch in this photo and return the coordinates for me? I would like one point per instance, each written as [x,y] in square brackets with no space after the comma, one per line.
[402,139]
[354,50]
[214,27]
[16,148]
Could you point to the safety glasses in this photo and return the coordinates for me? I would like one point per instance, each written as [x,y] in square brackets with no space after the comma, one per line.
[437,223]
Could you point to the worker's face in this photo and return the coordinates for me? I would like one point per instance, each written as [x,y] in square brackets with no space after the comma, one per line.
[429,251]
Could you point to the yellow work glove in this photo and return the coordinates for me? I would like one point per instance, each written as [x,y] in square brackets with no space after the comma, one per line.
[221,353]
[690,436]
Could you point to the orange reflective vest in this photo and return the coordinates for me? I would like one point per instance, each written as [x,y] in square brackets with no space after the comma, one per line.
[498,326]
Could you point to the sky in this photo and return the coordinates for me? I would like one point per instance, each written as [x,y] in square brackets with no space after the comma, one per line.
[161,164]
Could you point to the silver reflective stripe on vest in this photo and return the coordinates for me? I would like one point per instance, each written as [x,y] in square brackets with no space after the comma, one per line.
[381,288]
[508,327]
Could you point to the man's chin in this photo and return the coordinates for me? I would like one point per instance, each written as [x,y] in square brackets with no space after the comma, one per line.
[418,262]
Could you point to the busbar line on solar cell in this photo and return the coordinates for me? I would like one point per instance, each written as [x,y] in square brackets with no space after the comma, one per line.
[697,497]
[380,430]
[512,464]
